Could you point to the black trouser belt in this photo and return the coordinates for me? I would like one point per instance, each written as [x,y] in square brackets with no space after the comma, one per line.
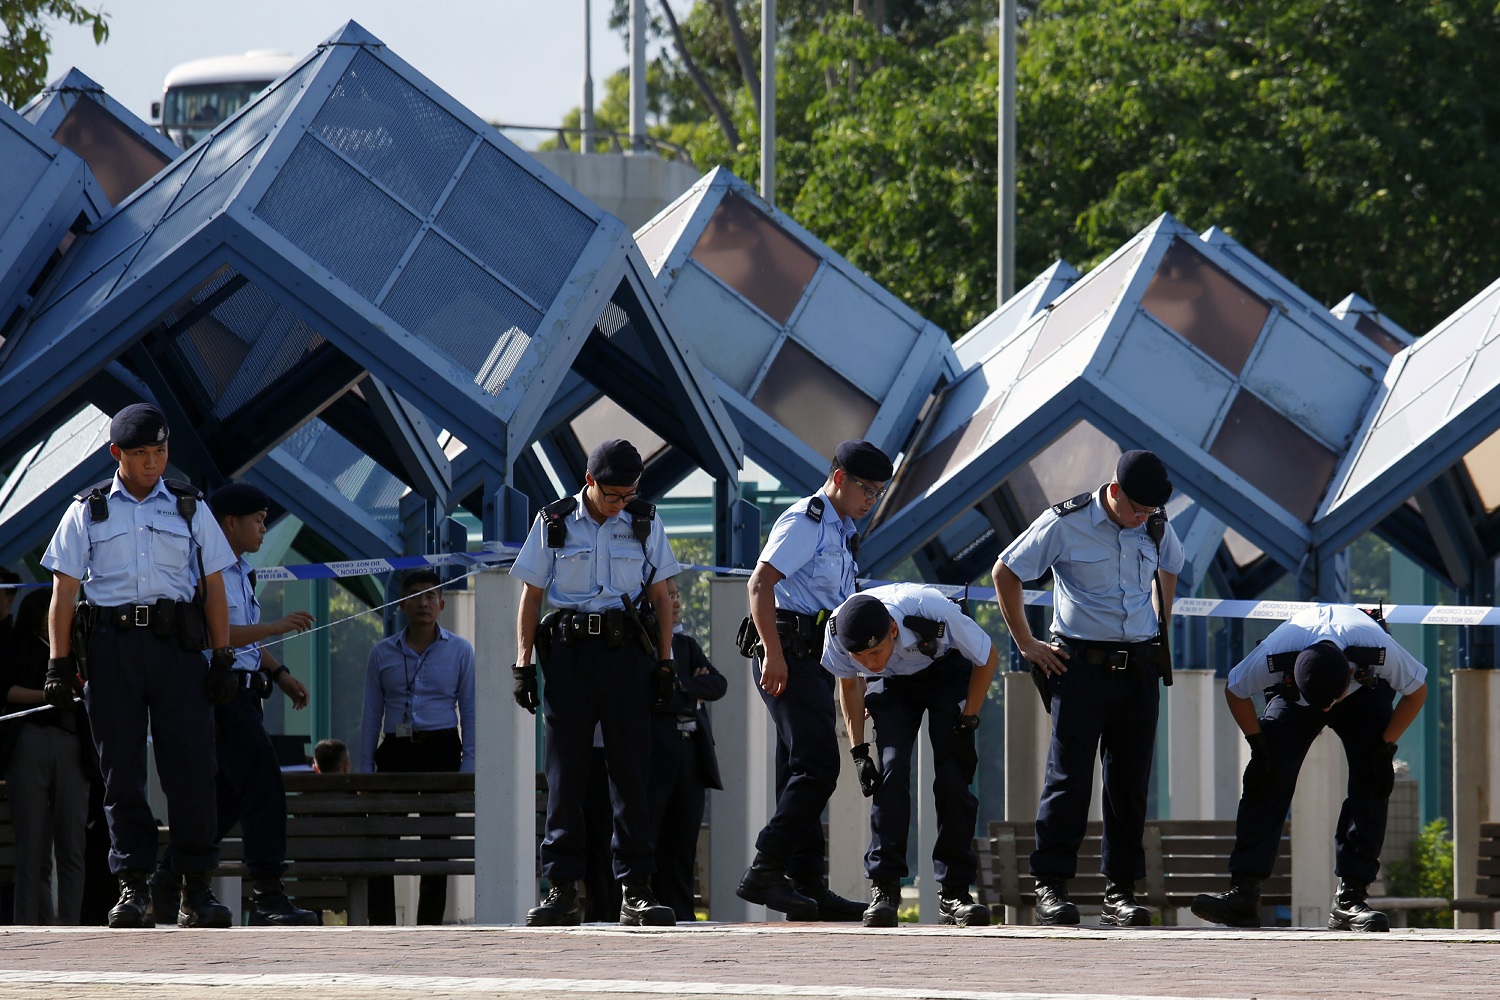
[1117,657]
[137,615]
[419,735]
[571,625]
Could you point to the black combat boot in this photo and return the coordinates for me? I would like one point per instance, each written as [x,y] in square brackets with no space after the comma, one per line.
[200,907]
[1239,907]
[639,908]
[831,906]
[1053,907]
[166,891]
[885,897]
[766,883]
[1352,913]
[134,907]
[1120,908]
[559,908]
[270,907]
[957,907]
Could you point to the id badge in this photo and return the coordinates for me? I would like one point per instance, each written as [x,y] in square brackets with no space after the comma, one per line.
[403,731]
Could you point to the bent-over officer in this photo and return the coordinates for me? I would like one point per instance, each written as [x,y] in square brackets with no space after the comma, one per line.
[1099,673]
[601,559]
[805,571]
[145,546]
[899,651]
[1333,666]
[250,789]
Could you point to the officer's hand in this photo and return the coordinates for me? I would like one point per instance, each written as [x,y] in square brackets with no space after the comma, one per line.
[525,689]
[869,775]
[1381,773]
[293,689]
[221,684]
[663,684]
[1260,773]
[297,621]
[1045,656]
[61,685]
[773,673]
[963,747]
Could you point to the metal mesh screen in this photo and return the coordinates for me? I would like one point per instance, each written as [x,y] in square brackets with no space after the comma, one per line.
[188,217]
[355,475]
[394,131]
[338,217]
[519,227]
[452,304]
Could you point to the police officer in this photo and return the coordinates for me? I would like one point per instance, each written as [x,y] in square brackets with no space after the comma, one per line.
[601,559]
[1099,673]
[1331,666]
[144,545]
[805,570]
[899,651]
[250,790]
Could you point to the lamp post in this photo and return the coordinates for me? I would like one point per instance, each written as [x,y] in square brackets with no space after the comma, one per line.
[1005,219]
[768,101]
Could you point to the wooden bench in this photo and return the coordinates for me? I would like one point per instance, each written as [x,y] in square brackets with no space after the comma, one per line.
[7,841]
[1183,858]
[1488,886]
[343,829]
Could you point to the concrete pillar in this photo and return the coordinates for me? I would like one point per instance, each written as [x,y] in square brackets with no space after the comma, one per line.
[1321,786]
[743,733]
[848,821]
[1028,729]
[505,844]
[927,890]
[1191,746]
[1476,774]
[1231,754]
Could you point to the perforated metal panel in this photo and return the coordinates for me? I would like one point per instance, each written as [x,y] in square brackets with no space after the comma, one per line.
[393,131]
[267,339]
[355,475]
[517,225]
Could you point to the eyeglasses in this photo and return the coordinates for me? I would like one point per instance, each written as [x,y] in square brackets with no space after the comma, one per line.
[871,492]
[617,497]
[1138,510]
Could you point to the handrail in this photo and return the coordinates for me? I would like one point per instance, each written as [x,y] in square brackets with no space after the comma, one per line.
[620,140]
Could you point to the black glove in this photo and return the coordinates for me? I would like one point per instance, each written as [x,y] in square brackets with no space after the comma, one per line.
[221,684]
[869,775]
[61,686]
[963,746]
[663,685]
[1381,770]
[525,688]
[1260,773]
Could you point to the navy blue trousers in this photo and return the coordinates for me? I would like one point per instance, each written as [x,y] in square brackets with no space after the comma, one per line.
[897,710]
[1113,715]
[588,684]
[1360,721]
[442,750]
[807,767]
[137,680]
[677,799]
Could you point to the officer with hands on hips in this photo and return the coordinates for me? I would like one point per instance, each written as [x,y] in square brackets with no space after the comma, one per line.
[899,651]
[250,789]
[806,569]
[601,559]
[1100,673]
[1334,666]
[144,545]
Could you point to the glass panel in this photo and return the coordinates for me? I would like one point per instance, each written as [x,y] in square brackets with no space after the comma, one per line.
[607,419]
[1080,459]
[1367,325]
[920,474]
[812,401]
[1483,465]
[1211,310]
[658,238]
[1274,455]
[1093,294]
[1241,549]
[755,257]
[120,159]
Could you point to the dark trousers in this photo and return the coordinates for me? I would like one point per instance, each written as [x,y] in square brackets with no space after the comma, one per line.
[896,710]
[807,767]
[440,750]
[1112,714]
[599,885]
[588,685]
[677,799]
[1360,721]
[137,680]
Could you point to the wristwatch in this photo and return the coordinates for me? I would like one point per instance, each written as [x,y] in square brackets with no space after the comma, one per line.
[967,722]
[283,669]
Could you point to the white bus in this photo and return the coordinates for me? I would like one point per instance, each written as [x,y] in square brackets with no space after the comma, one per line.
[198,95]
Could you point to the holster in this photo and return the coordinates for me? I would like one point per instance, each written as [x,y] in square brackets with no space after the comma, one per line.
[85,617]
[541,642]
[635,616]
[1164,658]
[747,639]
[1040,680]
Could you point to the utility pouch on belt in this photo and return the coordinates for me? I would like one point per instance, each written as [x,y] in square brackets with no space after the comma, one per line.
[192,628]
[541,642]
[84,619]
[747,639]
[614,628]
[1040,680]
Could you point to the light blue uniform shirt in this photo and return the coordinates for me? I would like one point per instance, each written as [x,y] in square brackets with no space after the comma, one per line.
[142,552]
[244,609]
[1101,572]
[1345,626]
[813,557]
[596,563]
[433,689]
[901,600]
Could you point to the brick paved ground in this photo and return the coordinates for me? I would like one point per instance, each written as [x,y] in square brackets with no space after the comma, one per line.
[1001,963]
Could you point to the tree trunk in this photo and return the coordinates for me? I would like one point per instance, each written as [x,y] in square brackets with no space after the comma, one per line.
[726,124]
[742,50]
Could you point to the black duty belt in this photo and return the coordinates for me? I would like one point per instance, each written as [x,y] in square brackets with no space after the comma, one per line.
[573,625]
[421,735]
[126,616]
[1116,657]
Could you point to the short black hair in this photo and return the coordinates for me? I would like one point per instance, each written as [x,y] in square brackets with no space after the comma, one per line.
[420,579]
[329,754]
[9,575]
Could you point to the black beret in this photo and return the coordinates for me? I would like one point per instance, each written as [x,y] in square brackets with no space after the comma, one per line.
[238,500]
[1143,477]
[862,623]
[1322,674]
[138,425]
[863,460]
[615,463]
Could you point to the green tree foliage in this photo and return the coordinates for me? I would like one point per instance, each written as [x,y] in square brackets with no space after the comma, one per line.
[1426,872]
[28,42]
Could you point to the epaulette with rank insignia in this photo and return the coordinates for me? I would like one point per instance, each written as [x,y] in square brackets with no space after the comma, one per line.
[1073,504]
[815,509]
[97,497]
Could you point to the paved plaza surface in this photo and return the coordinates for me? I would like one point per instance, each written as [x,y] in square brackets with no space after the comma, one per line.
[740,960]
